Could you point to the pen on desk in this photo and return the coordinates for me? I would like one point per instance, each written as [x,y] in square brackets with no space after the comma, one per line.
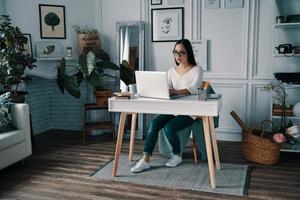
[205,85]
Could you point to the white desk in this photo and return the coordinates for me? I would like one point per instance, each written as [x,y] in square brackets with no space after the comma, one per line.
[189,105]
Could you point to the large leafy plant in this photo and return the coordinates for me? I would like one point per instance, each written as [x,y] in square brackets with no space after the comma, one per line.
[90,66]
[13,60]
[127,73]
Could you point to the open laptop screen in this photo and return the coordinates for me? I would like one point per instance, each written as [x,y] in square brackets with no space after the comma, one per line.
[153,84]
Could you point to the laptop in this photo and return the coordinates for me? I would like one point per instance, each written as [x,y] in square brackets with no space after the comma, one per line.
[153,84]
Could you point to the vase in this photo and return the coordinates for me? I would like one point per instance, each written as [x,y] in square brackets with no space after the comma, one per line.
[132,89]
[87,42]
[296,109]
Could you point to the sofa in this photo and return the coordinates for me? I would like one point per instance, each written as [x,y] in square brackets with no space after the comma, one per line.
[15,145]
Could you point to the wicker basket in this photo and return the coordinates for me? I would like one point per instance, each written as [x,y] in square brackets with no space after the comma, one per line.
[259,149]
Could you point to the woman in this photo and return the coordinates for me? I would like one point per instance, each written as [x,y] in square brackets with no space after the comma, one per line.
[184,79]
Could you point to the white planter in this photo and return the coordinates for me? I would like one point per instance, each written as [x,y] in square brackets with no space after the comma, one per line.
[296,109]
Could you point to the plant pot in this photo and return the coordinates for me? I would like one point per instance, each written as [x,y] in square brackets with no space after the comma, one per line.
[102,97]
[18,97]
[87,41]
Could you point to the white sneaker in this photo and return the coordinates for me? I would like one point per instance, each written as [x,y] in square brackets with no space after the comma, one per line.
[174,161]
[140,166]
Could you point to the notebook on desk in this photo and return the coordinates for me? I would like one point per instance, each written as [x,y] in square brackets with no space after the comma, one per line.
[153,84]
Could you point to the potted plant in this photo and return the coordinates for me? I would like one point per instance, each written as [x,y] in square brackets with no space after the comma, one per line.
[127,75]
[13,59]
[87,39]
[280,104]
[91,67]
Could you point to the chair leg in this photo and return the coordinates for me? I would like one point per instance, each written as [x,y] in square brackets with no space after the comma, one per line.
[113,134]
[83,136]
[195,150]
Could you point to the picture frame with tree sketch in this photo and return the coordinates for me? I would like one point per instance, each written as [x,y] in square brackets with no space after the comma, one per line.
[52,21]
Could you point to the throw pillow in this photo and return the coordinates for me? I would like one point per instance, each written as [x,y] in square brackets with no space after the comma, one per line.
[5,117]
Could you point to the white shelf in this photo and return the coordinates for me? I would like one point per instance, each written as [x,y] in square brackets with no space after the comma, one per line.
[291,86]
[53,58]
[287,25]
[288,55]
[292,148]
[288,117]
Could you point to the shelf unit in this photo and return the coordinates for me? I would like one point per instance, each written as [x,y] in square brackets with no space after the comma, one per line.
[53,58]
[287,25]
[96,125]
[287,33]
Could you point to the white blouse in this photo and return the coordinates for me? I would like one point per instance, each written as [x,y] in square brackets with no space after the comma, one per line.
[191,80]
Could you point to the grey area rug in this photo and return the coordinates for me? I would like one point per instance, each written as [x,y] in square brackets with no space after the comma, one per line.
[232,179]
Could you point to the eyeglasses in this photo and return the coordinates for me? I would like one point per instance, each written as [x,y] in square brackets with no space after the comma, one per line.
[178,53]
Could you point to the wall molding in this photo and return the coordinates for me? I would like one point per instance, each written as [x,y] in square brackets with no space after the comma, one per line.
[98,17]
[2,7]
[229,132]
[246,35]
[246,48]
[254,40]
[254,88]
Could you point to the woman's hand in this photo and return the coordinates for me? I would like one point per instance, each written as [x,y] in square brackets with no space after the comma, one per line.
[172,91]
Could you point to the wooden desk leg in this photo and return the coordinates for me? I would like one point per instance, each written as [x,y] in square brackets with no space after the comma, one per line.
[119,143]
[211,167]
[132,135]
[214,142]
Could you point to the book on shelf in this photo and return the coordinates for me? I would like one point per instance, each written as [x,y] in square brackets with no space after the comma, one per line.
[279,110]
[122,95]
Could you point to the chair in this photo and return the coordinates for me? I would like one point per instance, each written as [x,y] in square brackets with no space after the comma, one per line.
[194,132]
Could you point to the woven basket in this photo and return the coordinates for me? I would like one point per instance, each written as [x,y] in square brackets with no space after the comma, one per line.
[259,149]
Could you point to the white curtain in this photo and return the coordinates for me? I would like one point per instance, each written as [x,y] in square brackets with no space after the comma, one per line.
[124,49]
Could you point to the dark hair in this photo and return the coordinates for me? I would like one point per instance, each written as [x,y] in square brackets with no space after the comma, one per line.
[189,50]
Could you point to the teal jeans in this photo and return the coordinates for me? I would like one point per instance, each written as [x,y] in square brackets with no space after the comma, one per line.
[171,124]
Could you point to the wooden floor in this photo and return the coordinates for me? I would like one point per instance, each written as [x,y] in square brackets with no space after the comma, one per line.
[61,165]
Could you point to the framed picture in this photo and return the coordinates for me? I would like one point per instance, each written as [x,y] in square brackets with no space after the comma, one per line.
[52,21]
[156,2]
[175,2]
[212,4]
[234,3]
[28,46]
[48,49]
[167,24]
[200,52]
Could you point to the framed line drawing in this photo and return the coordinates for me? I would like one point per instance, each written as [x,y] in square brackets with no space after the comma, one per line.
[156,2]
[28,46]
[167,24]
[52,21]
[48,49]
